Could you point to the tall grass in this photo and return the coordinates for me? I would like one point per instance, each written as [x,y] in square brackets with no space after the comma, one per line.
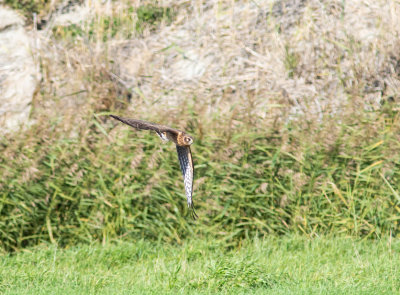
[111,181]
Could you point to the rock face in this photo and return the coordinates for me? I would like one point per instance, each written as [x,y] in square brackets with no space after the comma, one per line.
[18,75]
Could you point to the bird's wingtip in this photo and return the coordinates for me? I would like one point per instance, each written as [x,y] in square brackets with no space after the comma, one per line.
[192,211]
[119,118]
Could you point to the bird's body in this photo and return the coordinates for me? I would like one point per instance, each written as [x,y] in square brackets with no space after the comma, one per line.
[182,141]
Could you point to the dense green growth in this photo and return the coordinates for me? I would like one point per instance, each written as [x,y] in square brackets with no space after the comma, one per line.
[28,7]
[151,15]
[146,16]
[288,265]
[104,183]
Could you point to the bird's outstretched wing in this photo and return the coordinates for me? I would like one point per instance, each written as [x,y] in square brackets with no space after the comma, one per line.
[186,161]
[143,125]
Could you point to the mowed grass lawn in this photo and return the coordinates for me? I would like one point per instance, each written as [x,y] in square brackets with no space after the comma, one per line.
[285,265]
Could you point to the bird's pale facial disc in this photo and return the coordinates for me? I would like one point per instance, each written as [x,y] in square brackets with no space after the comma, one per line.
[188,140]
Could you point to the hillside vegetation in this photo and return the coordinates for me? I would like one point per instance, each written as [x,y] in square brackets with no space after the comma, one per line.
[293,106]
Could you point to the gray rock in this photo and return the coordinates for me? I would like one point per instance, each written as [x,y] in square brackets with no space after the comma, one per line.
[18,74]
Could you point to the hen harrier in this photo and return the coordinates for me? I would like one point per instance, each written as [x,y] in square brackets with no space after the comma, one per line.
[182,141]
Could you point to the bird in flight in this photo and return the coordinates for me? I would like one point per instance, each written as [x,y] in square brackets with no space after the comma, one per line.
[182,141]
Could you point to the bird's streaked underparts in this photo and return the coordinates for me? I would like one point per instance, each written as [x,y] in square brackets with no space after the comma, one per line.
[182,141]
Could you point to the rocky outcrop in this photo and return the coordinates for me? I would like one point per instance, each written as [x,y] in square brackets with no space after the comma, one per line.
[18,74]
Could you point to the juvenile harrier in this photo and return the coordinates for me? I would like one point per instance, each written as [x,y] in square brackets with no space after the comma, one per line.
[182,141]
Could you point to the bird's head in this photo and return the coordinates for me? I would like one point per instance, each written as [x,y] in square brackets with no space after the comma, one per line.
[187,139]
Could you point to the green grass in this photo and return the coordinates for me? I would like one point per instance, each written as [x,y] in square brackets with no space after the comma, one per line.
[286,265]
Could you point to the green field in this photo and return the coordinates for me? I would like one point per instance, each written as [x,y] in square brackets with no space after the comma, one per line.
[287,265]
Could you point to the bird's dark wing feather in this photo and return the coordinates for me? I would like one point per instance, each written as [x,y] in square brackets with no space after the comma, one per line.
[186,161]
[143,125]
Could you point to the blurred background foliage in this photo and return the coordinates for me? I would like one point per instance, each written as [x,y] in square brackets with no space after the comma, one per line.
[79,177]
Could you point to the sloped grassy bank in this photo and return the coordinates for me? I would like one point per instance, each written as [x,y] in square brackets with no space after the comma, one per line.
[105,181]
